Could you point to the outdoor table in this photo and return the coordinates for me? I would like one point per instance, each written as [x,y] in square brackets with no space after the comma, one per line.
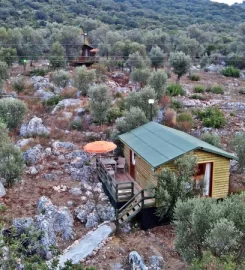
[109,161]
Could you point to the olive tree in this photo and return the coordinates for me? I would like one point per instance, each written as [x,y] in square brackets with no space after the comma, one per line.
[157,57]
[212,138]
[84,78]
[8,55]
[136,60]
[158,81]
[100,101]
[12,112]
[175,185]
[141,76]
[141,100]
[57,56]
[61,78]
[180,62]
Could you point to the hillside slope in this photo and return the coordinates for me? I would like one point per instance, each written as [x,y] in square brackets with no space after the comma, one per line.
[169,14]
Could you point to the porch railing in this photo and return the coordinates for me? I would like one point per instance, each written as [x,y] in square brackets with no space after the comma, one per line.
[121,192]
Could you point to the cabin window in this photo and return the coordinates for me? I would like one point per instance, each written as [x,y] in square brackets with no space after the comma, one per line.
[133,158]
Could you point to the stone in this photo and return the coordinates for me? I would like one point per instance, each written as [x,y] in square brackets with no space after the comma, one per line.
[2,190]
[48,152]
[24,142]
[118,75]
[87,245]
[80,112]
[33,128]
[62,147]
[49,176]
[33,155]
[157,262]
[33,170]
[43,94]
[23,225]
[136,262]
[78,162]
[83,211]
[65,103]
[76,191]
[106,213]
[84,174]
[92,220]
[126,228]
[214,68]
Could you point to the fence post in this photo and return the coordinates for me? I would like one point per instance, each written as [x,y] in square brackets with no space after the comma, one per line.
[142,198]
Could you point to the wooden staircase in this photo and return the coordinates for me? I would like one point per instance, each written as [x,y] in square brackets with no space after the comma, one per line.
[135,205]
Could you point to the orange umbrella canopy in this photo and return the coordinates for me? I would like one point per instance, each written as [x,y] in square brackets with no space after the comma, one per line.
[99,147]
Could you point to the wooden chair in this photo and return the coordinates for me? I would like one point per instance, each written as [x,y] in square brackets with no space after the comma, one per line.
[121,163]
[110,170]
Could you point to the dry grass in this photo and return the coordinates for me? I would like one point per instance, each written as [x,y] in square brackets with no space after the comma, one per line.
[69,92]
[170,118]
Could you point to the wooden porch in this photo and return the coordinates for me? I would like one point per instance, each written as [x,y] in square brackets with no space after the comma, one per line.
[85,60]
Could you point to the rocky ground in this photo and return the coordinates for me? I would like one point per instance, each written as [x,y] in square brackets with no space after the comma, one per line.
[59,193]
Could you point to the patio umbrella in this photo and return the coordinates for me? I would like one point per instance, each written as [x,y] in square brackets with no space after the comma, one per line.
[99,147]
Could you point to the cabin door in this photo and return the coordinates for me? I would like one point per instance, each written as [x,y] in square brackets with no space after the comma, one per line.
[132,164]
[205,173]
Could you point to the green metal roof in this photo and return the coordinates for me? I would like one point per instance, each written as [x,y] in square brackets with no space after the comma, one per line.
[158,144]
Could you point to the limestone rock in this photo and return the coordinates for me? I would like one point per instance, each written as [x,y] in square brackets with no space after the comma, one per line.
[62,147]
[24,142]
[76,191]
[136,262]
[92,220]
[33,155]
[23,224]
[33,128]
[65,103]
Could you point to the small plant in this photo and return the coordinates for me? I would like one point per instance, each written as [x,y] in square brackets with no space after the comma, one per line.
[176,104]
[242,91]
[76,124]
[184,121]
[170,118]
[18,84]
[232,114]
[231,71]
[198,89]
[118,95]
[69,92]
[212,117]
[113,114]
[195,96]
[175,90]
[52,101]
[195,77]
[215,89]
[38,72]
[212,138]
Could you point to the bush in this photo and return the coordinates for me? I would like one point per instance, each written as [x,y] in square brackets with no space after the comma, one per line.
[195,96]
[141,76]
[175,90]
[18,84]
[231,72]
[100,72]
[176,104]
[195,77]
[12,164]
[4,71]
[12,112]
[113,114]
[38,72]
[212,117]
[61,78]
[158,82]
[68,92]
[211,138]
[239,145]
[216,89]
[170,117]
[198,89]
[84,78]
[77,124]
[52,101]
[184,121]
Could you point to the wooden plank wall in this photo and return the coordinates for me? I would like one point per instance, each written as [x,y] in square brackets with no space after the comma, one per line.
[126,152]
[221,171]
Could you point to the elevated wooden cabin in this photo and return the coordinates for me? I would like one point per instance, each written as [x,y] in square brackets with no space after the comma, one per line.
[88,53]
[150,148]
[147,150]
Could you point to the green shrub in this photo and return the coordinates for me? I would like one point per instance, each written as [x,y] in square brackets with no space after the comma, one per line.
[239,145]
[175,90]
[118,95]
[61,78]
[52,101]
[198,89]
[113,114]
[195,77]
[176,104]
[184,121]
[195,96]
[211,138]
[77,124]
[212,117]
[12,112]
[38,72]
[18,84]
[231,72]
[216,89]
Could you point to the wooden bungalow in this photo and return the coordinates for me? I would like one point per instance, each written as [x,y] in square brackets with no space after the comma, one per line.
[150,148]
[88,53]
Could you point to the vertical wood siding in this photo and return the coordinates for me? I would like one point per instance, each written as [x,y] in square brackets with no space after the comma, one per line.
[221,171]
